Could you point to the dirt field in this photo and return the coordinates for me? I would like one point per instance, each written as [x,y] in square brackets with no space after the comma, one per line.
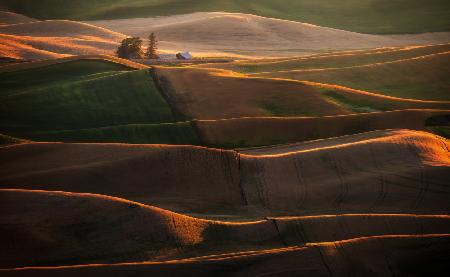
[406,171]
[275,130]
[210,94]
[218,94]
[145,233]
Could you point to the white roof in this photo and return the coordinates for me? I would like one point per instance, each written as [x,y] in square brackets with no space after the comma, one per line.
[186,55]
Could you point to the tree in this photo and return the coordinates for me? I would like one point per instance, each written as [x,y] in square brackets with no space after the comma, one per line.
[130,48]
[152,47]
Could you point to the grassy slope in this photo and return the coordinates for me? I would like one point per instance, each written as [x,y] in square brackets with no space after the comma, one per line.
[162,133]
[333,60]
[5,140]
[367,16]
[48,76]
[422,78]
[98,101]
[87,101]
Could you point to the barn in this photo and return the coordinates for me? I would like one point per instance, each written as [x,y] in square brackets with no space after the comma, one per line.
[184,56]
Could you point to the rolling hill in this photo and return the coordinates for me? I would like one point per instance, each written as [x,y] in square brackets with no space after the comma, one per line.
[87,98]
[425,254]
[217,94]
[24,39]
[382,172]
[97,97]
[91,228]
[260,131]
[106,99]
[246,35]
[7,18]
[368,16]
[414,255]
[216,34]
[423,77]
[326,156]
[336,59]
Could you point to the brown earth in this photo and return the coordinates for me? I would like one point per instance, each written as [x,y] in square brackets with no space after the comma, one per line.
[392,171]
[213,94]
[218,94]
[143,173]
[413,255]
[41,228]
[254,131]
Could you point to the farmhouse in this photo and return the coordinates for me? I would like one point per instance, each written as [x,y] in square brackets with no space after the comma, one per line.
[184,56]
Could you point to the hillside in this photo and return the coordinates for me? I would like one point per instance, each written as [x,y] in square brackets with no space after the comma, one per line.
[301,138]
[136,232]
[423,77]
[7,18]
[425,254]
[216,34]
[335,177]
[217,94]
[368,16]
[78,94]
[106,99]
[247,35]
[5,140]
[260,131]
[335,59]
[33,40]
[126,64]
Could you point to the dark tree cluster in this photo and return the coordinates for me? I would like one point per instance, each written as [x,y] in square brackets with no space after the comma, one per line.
[131,48]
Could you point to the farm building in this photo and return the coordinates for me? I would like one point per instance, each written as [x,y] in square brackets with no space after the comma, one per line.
[184,56]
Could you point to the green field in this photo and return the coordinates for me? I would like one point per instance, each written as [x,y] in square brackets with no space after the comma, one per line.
[365,16]
[58,74]
[161,133]
[335,60]
[423,78]
[88,101]
[101,101]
